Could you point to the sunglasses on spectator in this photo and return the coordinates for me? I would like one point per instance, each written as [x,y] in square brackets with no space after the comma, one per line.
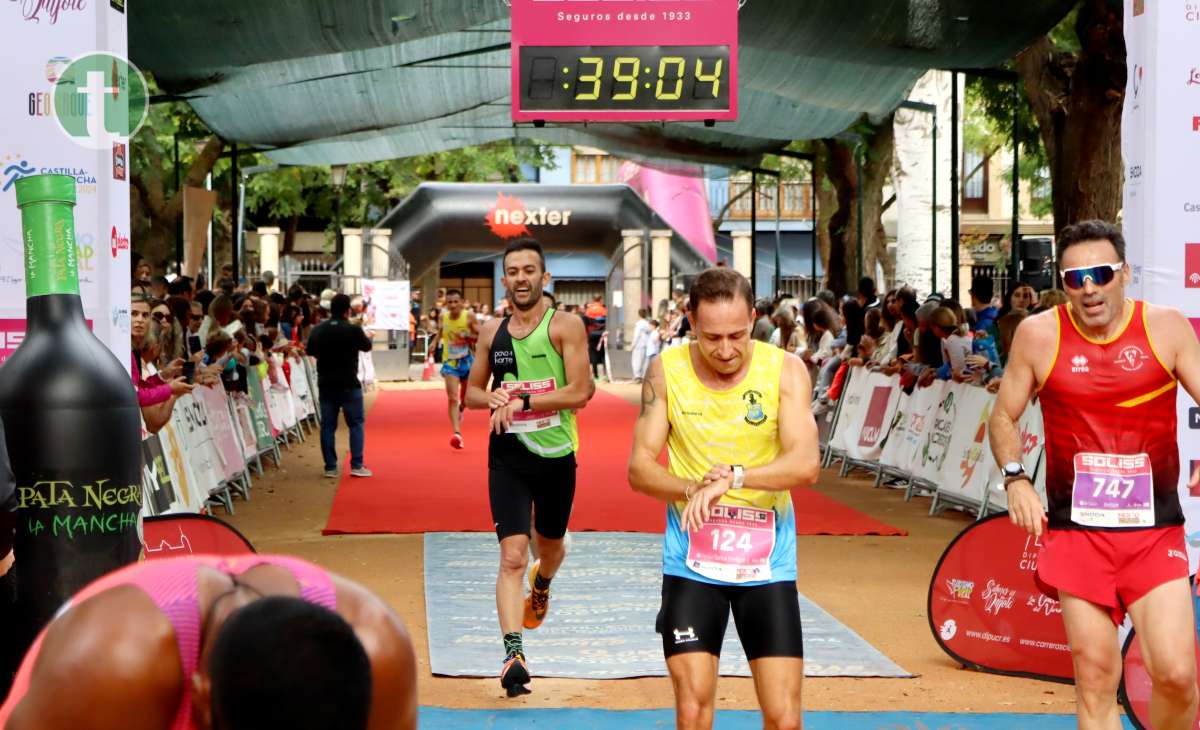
[1100,275]
[161,316]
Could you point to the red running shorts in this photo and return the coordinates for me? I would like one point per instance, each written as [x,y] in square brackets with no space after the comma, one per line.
[1111,568]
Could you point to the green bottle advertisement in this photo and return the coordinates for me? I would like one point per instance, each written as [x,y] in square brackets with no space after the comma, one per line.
[71,423]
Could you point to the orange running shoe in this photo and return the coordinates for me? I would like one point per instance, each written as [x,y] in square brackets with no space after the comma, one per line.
[537,603]
[456,441]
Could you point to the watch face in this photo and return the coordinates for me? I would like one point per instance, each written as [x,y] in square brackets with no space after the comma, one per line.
[1012,469]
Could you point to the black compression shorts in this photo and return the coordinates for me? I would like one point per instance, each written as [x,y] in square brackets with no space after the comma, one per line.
[513,490]
[694,615]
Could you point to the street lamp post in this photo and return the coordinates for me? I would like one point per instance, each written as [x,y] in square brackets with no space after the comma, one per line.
[337,177]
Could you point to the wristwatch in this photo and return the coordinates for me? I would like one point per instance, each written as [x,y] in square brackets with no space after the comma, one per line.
[525,402]
[739,476]
[1013,471]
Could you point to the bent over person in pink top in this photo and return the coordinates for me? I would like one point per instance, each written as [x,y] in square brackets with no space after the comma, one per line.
[218,643]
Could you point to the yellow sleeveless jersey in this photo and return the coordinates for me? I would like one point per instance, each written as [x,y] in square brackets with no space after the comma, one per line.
[455,332]
[735,426]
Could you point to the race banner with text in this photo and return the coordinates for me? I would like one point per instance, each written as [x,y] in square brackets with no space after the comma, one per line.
[987,612]
[1160,146]
[52,60]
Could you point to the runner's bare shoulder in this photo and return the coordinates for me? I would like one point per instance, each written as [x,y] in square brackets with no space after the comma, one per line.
[114,651]
[562,328]
[487,330]
[1036,336]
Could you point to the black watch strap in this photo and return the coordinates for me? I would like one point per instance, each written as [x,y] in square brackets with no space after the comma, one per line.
[525,402]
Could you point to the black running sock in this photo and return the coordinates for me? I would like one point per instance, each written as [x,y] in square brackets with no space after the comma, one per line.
[513,645]
[540,583]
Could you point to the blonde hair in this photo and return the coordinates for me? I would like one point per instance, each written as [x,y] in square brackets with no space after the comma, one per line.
[1052,298]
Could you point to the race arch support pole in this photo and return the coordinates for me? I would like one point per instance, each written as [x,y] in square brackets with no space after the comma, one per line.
[954,191]
[235,204]
[754,232]
[858,172]
[1015,249]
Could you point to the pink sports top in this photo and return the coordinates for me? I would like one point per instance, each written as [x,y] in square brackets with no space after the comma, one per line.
[171,584]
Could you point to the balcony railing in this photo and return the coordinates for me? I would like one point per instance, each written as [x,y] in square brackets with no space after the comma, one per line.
[797,199]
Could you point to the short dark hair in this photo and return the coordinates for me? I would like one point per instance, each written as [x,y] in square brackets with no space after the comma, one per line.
[983,288]
[158,280]
[179,285]
[259,288]
[525,243]
[866,287]
[1091,230]
[281,661]
[719,284]
[453,293]
[339,305]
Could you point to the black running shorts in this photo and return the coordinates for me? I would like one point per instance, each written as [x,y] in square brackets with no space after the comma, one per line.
[514,488]
[694,615]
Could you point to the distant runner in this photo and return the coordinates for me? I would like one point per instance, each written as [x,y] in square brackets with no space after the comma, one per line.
[538,366]
[735,416]
[459,332]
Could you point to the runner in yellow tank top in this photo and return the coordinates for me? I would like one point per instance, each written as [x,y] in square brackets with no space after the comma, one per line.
[736,418]
[460,329]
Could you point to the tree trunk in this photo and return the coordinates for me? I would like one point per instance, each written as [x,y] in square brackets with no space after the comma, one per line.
[827,205]
[875,173]
[154,215]
[843,224]
[1077,99]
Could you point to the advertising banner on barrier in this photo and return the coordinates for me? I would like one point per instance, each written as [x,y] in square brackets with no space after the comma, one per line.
[245,423]
[923,407]
[264,432]
[188,491]
[969,464]
[158,491]
[986,610]
[894,438]
[190,421]
[880,398]
[221,430]
[850,415]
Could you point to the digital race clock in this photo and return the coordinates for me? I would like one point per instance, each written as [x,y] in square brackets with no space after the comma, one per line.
[633,60]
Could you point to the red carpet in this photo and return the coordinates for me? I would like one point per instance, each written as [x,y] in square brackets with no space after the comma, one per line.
[423,485]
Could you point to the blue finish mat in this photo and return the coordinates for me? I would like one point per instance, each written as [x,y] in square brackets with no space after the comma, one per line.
[591,719]
[602,612]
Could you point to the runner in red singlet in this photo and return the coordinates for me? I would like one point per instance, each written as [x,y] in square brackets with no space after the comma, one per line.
[210,643]
[1105,369]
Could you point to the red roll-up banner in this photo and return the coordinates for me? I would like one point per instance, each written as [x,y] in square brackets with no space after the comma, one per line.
[987,612]
[169,536]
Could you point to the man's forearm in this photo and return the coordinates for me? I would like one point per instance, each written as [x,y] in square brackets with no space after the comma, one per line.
[477,398]
[1005,438]
[787,471]
[652,479]
[574,396]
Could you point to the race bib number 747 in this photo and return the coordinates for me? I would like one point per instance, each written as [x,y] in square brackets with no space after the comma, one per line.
[1113,490]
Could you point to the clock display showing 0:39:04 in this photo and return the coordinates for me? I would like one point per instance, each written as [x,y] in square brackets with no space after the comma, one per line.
[624,77]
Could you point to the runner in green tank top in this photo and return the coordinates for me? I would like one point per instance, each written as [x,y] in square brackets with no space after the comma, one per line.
[531,371]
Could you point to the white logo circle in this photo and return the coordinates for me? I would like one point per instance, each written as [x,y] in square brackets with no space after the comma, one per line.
[948,630]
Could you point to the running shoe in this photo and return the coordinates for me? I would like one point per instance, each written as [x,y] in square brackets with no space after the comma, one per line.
[537,603]
[514,676]
[331,473]
[456,441]
[362,471]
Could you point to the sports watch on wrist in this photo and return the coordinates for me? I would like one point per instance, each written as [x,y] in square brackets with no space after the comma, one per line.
[739,476]
[1013,471]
